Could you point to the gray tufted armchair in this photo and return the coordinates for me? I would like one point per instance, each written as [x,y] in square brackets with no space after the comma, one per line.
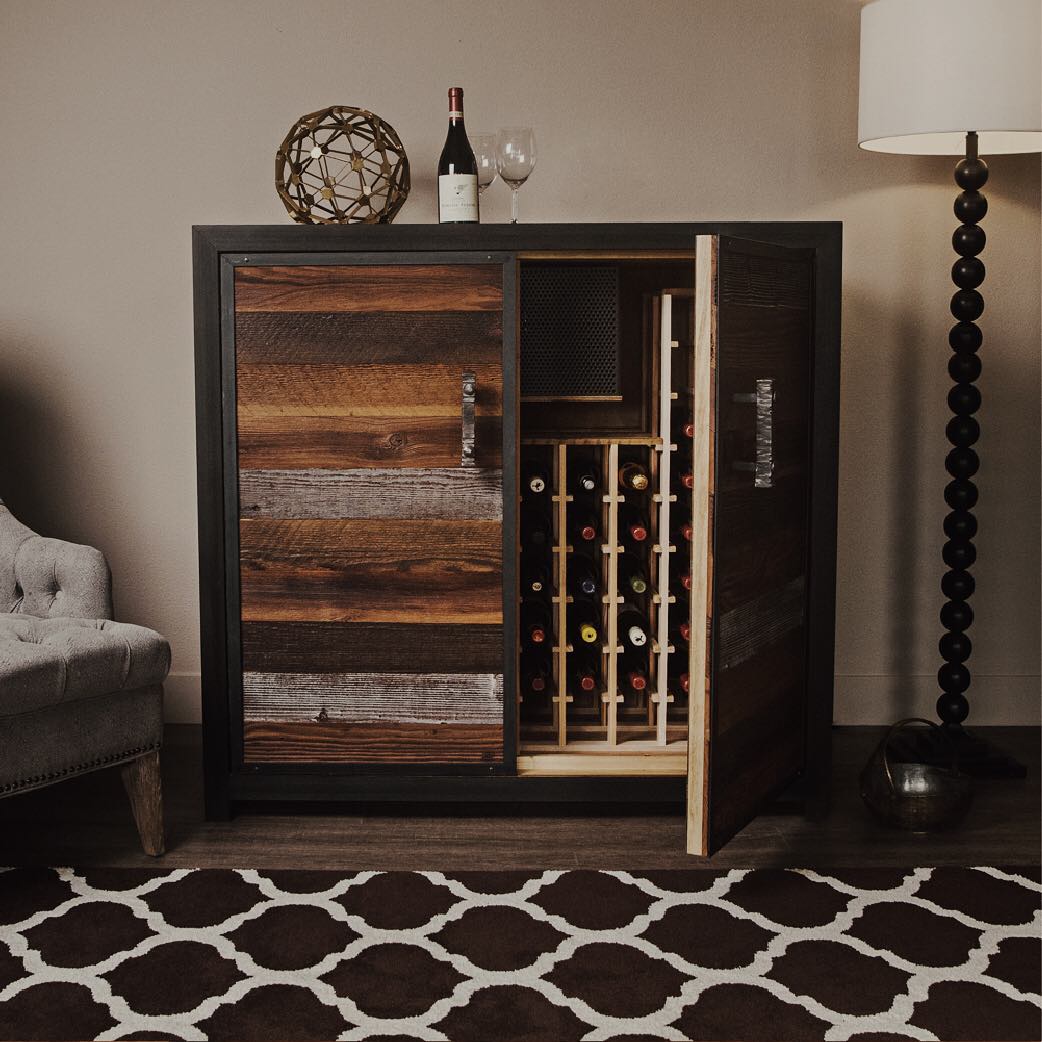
[78,691]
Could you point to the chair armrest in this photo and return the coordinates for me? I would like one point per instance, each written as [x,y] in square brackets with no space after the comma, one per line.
[50,578]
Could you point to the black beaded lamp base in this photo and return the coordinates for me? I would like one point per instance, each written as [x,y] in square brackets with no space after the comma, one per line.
[976,756]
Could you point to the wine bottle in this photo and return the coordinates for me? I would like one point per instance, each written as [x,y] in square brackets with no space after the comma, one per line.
[457,170]
[536,480]
[634,476]
[537,580]
[584,527]
[535,623]
[685,479]
[633,627]
[585,625]
[680,632]
[583,478]
[634,526]
[633,676]
[679,680]
[683,533]
[536,530]
[584,676]
[633,578]
[683,425]
[583,580]
[535,677]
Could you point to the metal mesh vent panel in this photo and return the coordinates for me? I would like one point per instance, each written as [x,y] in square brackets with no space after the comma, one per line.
[569,331]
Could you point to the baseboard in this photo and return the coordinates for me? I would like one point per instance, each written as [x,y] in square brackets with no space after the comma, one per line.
[860,699]
[994,700]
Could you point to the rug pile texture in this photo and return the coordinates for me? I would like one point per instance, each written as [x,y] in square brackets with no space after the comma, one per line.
[550,956]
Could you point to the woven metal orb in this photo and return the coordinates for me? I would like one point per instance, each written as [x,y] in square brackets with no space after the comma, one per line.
[341,165]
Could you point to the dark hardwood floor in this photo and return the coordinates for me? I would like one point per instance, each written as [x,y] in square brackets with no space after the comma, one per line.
[86,822]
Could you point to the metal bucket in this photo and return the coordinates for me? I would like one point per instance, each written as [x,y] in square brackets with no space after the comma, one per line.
[915,796]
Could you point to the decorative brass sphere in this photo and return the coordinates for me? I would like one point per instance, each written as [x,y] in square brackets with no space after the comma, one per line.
[341,165]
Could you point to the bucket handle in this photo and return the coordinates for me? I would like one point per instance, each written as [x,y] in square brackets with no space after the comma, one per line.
[894,728]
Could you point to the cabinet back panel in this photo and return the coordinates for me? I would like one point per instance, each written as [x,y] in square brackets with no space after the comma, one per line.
[371,583]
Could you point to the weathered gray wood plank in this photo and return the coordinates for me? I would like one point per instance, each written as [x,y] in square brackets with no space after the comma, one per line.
[372,492]
[374,697]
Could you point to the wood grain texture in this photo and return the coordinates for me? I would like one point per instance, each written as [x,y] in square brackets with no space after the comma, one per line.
[144,788]
[747,629]
[758,689]
[427,698]
[377,492]
[312,387]
[372,743]
[389,571]
[379,287]
[459,338]
[282,439]
[330,647]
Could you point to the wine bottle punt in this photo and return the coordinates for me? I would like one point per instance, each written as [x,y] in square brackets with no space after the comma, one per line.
[457,170]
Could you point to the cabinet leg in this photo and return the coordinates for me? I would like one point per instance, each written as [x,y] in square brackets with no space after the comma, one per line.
[144,788]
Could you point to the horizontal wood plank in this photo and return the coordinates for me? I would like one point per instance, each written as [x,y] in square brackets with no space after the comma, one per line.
[372,743]
[311,387]
[376,492]
[378,287]
[387,571]
[286,440]
[419,698]
[331,647]
[459,338]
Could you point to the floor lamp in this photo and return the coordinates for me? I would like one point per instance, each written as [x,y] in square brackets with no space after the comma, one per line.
[956,77]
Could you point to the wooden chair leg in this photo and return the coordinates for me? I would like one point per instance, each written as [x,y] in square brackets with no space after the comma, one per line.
[144,787]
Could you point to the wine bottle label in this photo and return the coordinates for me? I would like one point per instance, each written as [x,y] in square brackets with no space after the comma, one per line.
[458,197]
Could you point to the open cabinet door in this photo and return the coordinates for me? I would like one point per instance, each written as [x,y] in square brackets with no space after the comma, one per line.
[751,390]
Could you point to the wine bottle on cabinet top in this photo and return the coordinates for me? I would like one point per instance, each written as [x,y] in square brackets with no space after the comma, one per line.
[457,170]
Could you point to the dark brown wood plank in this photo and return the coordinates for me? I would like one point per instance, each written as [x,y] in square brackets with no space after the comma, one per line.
[387,571]
[758,690]
[332,441]
[372,743]
[304,390]
[460,338]
[330,647]
[447,492]
[380,287]
[370,697]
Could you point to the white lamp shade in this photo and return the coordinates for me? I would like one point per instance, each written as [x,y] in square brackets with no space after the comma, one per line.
[932,70]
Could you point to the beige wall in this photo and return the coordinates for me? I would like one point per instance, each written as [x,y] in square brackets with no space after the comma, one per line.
[125,122]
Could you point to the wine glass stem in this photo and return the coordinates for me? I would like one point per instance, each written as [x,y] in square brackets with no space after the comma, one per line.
[513,205]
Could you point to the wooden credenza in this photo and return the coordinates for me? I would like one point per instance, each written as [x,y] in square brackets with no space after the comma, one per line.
[366,398]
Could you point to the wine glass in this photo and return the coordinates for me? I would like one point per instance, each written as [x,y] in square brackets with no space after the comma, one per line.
[515,160]
[484,145]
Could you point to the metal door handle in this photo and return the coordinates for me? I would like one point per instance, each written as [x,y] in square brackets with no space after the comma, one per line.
[470,385]
[762,467]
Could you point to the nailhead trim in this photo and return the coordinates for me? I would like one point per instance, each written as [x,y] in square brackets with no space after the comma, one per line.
[43,779]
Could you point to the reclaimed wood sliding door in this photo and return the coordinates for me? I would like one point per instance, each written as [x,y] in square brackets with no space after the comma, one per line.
[371,521]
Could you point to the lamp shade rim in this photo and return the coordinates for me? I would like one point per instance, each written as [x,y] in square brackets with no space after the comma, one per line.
[953,142]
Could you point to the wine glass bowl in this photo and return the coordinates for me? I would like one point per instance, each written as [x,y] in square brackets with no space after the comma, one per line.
[515,160]
[485,146]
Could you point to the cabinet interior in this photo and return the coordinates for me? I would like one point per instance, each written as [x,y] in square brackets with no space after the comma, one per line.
[629,321]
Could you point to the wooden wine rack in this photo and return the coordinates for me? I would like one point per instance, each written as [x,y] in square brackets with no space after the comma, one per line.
[638,737]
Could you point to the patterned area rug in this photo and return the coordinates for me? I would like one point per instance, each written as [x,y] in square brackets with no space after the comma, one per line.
[219,954]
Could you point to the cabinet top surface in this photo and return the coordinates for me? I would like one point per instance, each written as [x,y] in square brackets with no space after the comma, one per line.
[508,237]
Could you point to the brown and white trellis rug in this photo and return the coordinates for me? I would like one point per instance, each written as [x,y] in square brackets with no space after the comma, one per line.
[782,954]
